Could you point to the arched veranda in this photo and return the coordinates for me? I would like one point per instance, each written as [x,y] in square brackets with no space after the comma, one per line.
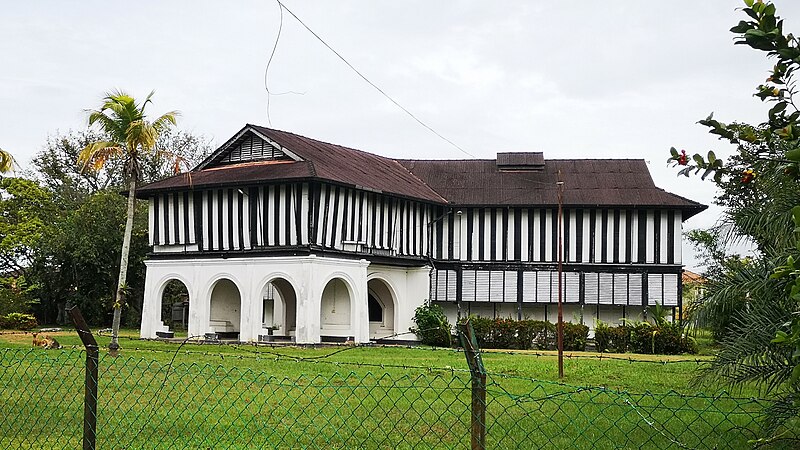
[175,307]
[225,309]
[278,309]
[381,306]
[336,305]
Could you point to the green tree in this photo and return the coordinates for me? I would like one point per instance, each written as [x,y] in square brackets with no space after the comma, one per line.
[26,214]
[759,190]
[77,259]
[130,136]
[55,168]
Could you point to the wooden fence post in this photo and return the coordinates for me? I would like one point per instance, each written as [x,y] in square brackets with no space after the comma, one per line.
[90,393]
[478,375]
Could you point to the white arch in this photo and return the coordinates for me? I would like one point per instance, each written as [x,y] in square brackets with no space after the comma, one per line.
[209,287]
[262,285]
[274,276]
[347,279]
[164,281]
[392,291]
[209,291]
[354,302]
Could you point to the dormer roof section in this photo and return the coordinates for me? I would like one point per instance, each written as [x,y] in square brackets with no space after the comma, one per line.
[520,161]
[248,146]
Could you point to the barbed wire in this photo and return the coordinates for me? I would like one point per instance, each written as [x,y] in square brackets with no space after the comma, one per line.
[631,359]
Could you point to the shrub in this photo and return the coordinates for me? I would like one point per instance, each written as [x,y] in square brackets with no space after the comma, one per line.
[620,339]
[535,334]
[18,321]
[432,326]
[575,336]
[602,336]
[482,327]
[513,334]
[642,338]
[664,339]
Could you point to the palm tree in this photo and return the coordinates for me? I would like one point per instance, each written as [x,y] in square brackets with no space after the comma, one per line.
[130,136]
[6,161]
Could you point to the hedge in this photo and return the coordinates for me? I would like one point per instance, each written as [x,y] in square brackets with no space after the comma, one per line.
[643,337]
[527,334]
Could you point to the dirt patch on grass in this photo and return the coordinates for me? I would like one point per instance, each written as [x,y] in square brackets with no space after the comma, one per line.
[26,337]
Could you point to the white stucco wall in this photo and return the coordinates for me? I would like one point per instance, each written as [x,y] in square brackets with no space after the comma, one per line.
[409,288]
[307,275]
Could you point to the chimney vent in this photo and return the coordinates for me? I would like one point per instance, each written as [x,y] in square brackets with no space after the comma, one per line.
[515,161]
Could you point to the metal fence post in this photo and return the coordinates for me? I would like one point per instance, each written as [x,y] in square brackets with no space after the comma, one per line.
[90,393]
[478,375]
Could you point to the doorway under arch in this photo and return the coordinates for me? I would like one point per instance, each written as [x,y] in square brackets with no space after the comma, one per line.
[175,306]
[226,309]
[380,303]
[279,308]
[335,309]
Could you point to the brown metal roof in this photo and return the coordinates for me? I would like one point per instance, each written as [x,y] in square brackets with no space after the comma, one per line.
[354,167]
[233,174]
[587,182]
[320,160]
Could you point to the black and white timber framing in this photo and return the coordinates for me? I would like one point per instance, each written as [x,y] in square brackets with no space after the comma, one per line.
[614,254]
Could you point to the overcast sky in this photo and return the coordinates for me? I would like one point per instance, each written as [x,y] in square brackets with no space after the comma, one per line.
[612,79]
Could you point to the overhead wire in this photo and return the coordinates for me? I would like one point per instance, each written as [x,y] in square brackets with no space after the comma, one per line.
[269,63]
[363,77]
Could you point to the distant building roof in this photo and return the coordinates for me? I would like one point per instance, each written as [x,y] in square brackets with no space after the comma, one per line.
[257,154]
[691,277]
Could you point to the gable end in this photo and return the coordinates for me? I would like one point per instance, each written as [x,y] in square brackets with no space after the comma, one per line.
[246,146]
[252,148]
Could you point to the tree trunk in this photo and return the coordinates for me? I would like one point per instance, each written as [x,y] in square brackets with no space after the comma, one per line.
[113,347]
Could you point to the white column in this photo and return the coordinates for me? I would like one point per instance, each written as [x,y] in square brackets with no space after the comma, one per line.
[360,311]
[200,301]
[308,305]
[151,310]
[249,319]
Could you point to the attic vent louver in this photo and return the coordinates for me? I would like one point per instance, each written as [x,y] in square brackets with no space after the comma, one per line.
[530,161]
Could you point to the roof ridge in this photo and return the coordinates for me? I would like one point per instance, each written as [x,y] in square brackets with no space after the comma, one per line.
[322,142]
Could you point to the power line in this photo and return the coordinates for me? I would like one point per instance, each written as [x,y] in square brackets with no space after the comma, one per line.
[269,63]
[363,77]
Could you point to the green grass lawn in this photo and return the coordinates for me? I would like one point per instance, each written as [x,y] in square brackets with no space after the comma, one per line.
[164,395]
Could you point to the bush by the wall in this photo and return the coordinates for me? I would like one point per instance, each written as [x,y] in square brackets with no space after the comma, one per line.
[620,339]
[18,321]
[432,326]
[513,334]
[602,336]
[535,334]
[642,337]
[526,334]
[575,336]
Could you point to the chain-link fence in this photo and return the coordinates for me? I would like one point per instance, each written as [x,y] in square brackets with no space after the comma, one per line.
[143,403]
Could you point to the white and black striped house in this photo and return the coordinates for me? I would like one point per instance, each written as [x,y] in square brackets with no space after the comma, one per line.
[276,230]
